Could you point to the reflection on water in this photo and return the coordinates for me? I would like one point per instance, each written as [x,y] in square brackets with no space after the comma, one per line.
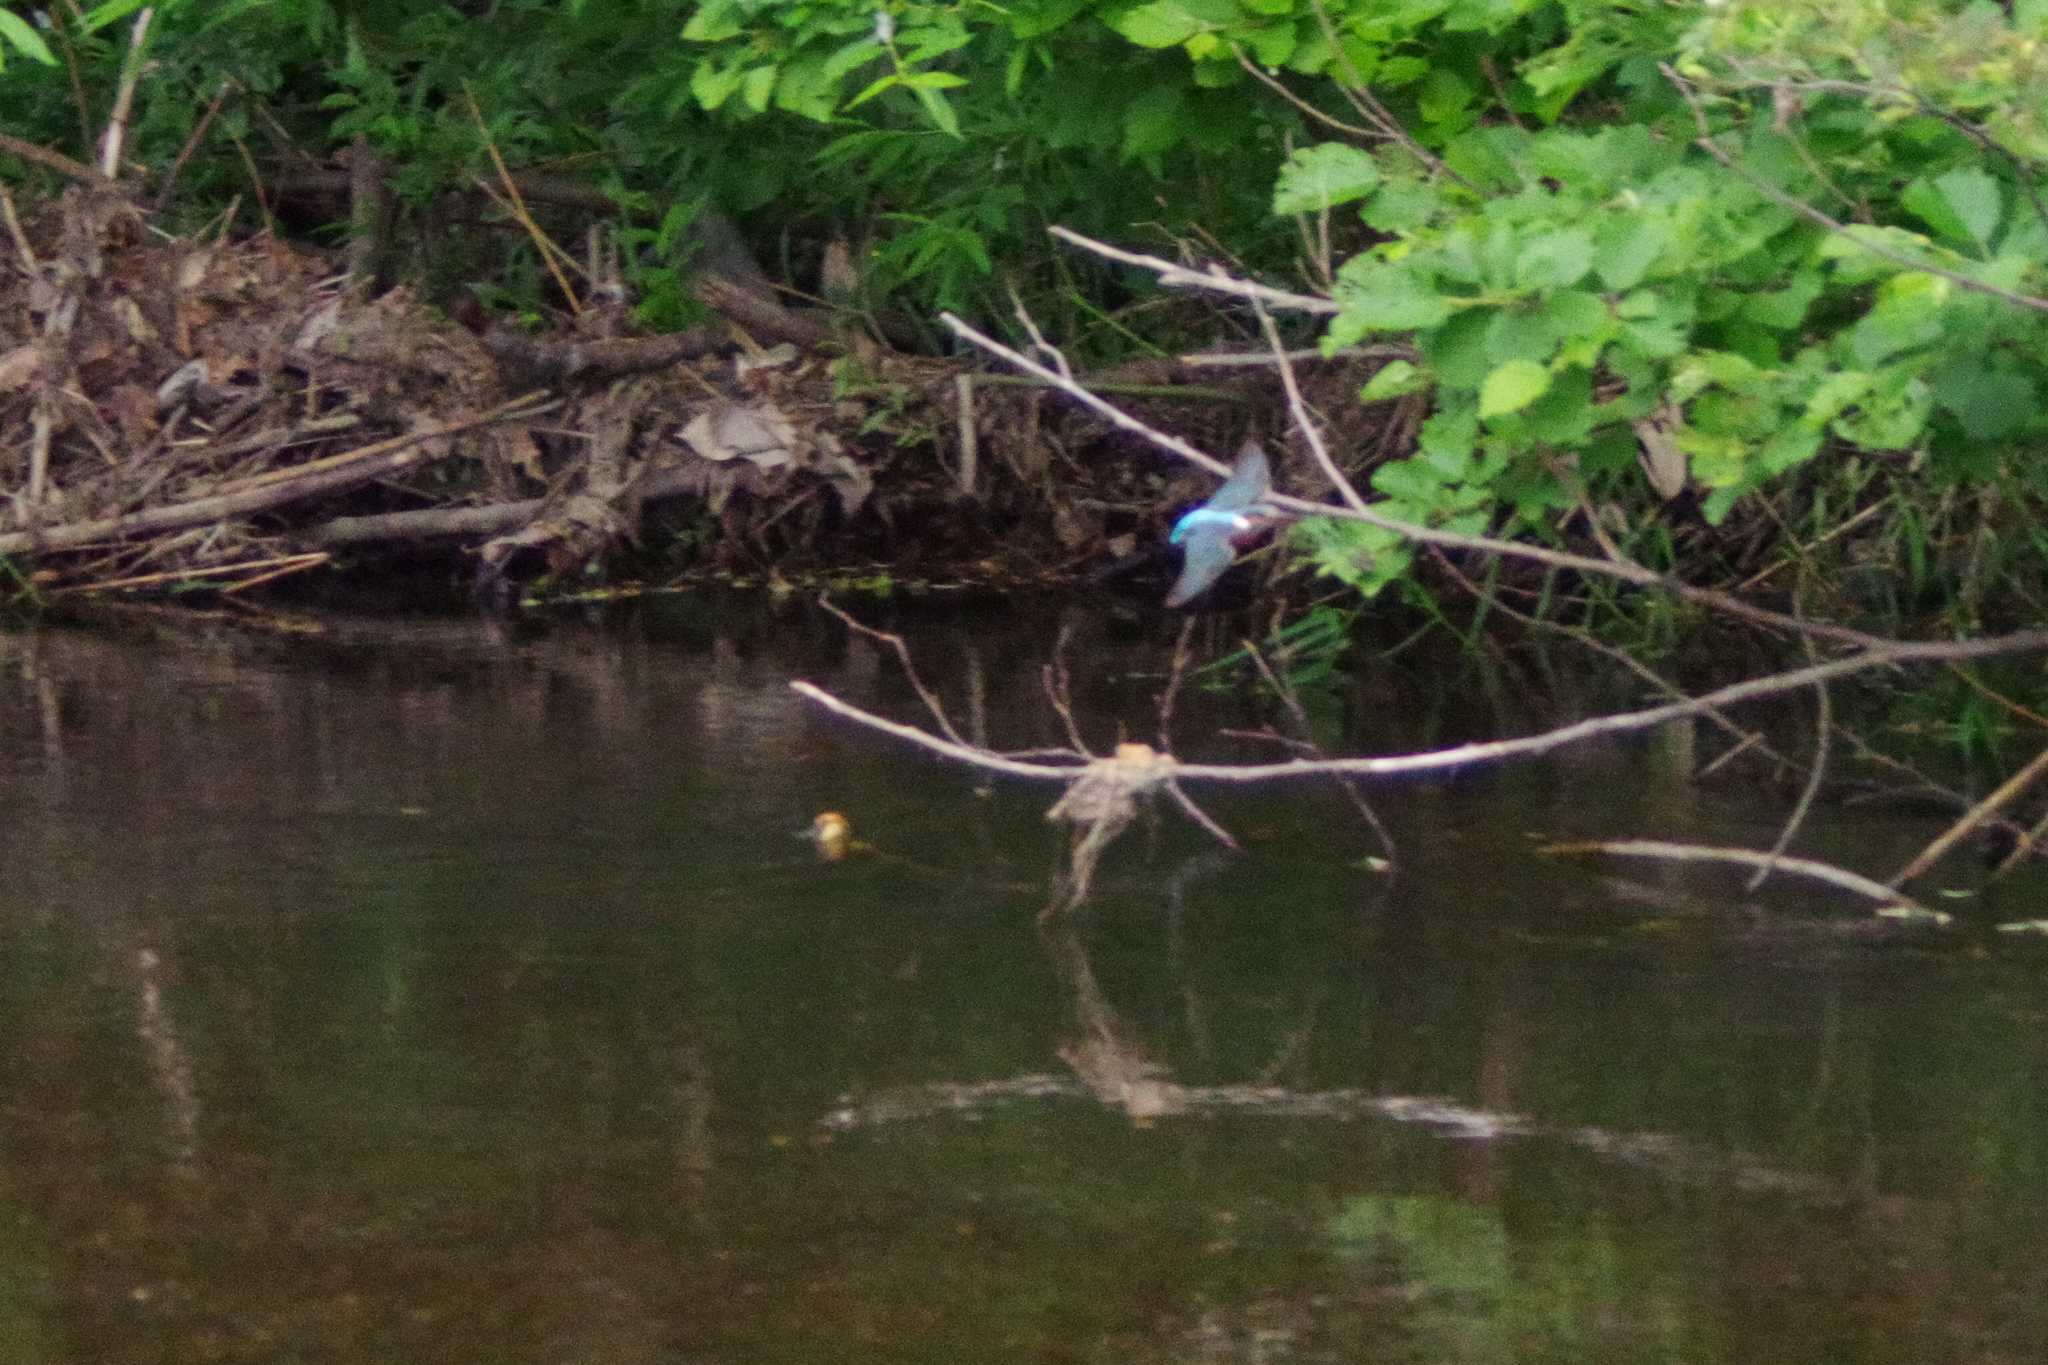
[455,991]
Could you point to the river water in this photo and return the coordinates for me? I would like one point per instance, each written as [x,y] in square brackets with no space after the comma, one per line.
[446,990]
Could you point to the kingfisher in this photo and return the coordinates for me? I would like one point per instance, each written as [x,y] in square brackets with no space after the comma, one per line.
[1237,514]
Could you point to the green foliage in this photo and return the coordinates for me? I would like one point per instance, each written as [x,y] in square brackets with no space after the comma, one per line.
[18,34]
[943,136]
[1570,263]
[1533,210]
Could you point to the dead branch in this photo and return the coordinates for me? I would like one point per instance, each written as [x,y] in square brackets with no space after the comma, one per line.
[1164,767]
[381,460]
[1887,898]
[1824,730]
[542,360]
[124,95]
[1975,816]
[1176,276]
[895,644]
[760,314]
[49,160]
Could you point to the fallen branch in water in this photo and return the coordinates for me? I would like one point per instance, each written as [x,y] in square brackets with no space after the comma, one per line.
[1888,899]
[1462,755]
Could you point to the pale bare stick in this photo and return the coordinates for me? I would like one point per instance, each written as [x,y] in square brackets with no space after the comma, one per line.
[1183,655]
[1462,755]
[124,96]
[894,643]
[1811,868]
[1200,816]
[1825,722]
[1297,407]
[1057,684]
[1975,816]
[959,753]
[1175,275]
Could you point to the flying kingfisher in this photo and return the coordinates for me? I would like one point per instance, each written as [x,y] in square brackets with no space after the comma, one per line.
[1211,535]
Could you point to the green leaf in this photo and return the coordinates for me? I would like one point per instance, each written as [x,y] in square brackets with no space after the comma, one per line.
[1448,437]
[1152,122]
[1962,205]
[1394,379]
[757,85]
[940,110]
[1402,206]
[1411,480]
[1989,405]
[881,83]
[714,22]
[1789,448]
[1555,260]
[16,31]
[1459,350]
[1323,176]
[1628,247]
[712,86]
[113,12]
[1163,23]
[1784,309]
[1512,386]
[1564,415]
[1377,296]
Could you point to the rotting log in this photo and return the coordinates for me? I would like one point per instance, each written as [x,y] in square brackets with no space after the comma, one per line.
[438,523]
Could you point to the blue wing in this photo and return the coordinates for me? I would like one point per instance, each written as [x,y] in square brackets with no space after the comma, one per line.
[1249,481]
[1208,554]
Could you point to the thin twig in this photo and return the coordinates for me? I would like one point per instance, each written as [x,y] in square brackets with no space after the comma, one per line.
[1200,816]
[1825,724]
[1274,84]
[198,134]
[895,644]
[1975,816]
[1183,655]
[1306,742]
[124,96]
[1175,275]
[1297,407]
[1359,91]
[1059,690]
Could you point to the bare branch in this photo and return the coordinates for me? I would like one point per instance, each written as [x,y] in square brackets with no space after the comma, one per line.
[1810,868]
[1975,816]
[1163,767]
[895,644]
[1297,407]
[1174,275]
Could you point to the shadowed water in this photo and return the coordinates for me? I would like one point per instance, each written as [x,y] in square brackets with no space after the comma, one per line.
[451,991]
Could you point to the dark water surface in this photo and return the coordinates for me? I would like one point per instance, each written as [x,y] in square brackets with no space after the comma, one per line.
[455,992]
